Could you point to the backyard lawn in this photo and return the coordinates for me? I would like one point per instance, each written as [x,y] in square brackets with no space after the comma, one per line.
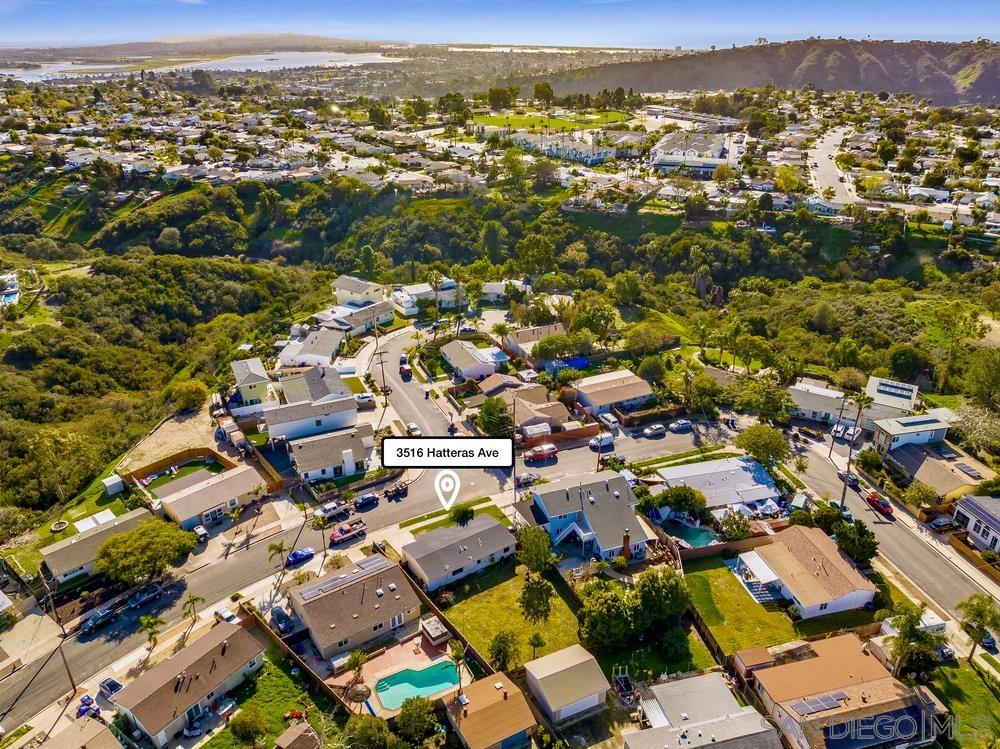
[738,621]
[541,120]
[646,660]
[275,691]
[976,709]
[488,601]
[195,465]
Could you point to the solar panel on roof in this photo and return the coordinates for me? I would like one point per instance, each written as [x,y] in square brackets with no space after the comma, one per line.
[839,696]
[801,708]
[968,470]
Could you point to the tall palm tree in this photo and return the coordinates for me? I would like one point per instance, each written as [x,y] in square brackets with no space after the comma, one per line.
[434,280]
[979,614]
[501,329]
[911,637]
[190,608]
[861,401]
[278,549]
[151,626]
[456,653]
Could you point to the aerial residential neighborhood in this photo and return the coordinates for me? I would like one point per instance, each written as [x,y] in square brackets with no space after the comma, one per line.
[399,386]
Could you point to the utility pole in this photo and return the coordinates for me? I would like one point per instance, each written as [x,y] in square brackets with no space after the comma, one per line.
[381,363]
[62,627]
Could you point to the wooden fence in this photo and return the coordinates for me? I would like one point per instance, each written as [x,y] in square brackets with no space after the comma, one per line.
[960,542]
[178,458]
[727,547]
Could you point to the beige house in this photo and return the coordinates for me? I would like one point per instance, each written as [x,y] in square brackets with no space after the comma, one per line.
[568,684]
[491,713]
[84,732]
[210,500]
[175,693]
[347,609]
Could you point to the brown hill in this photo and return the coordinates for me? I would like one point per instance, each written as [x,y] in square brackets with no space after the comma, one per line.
[946,72]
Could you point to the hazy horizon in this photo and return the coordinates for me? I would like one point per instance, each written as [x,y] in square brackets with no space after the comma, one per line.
[594,23]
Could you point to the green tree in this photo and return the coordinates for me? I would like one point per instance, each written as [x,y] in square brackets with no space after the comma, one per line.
[536,597]
[651,369]
[456,654]
[606,620]
[857,541]
[537,254]
[356,661]
[515,170]
[661,597]
[765,443]
[918,494]
[537,640]
[826,517]
[544,94]
[982,378]
[535,550]
[801,517]
[189,394]
[139,555]
[462,515]
[190,608]
[735,525]
[169,240]
[979,615]
[370,263]
[494,418]
[370,732]
[416,720]
[249,725]
[493,238]
[958,325]
[151,626]
[503,649]
[764,396]
[911,637]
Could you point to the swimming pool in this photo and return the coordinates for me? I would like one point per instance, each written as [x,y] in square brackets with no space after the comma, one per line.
[393,690]
[693,536]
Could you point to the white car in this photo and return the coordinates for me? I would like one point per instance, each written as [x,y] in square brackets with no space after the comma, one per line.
[681,425]
[413,430]
[602,440]
[654,430]
[838,431]
[852,434]
[225,615]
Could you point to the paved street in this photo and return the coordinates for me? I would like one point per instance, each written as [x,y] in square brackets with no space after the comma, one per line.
[826,174]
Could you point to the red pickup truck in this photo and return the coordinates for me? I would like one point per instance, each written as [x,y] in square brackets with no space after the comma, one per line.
[347,531]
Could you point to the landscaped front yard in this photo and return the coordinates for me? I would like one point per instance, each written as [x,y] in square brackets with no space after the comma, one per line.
[489,601]
[738,621]
[275,691]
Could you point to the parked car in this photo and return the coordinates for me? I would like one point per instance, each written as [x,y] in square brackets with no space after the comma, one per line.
[413,430]
[467,329]
[225,616]
[681,425]
[609,421]
[99,619]
[943,523]
[852,434]
[347,531]
[851,480]
[845,513]
[332,510]
[944,653]
[838,430]
[602,440]
[364,399]
[526,479]
[405,371]
[396,492]
[110,687]
[366,500]
[989,642]
[879,504]
[541,452]
[299,556]
[201,533]
[144,596]
[282,621]
[402,359]
[654,430]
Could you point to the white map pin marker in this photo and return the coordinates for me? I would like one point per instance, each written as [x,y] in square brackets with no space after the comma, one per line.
[447,484]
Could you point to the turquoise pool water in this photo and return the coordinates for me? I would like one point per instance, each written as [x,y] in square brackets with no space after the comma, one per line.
[393,690]
[694,536]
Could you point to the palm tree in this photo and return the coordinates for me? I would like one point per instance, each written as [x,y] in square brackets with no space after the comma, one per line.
[979,614]
[356,661]
[190,608]
[152,626]
[456,653]
[501,329]
[911,637]
[861,401]
[536,641]
[278,549]
[434,280]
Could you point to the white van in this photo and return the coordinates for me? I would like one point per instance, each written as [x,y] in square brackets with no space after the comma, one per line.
[604,439]
[609,421]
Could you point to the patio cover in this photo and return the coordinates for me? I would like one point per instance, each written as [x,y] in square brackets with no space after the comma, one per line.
[770,507]
[753,562]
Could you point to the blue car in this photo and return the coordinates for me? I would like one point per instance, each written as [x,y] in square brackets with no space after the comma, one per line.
[989,642]
[300,556]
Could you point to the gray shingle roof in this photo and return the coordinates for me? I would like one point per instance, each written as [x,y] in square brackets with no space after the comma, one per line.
[312,385]
[325,450]
[567,676]
[438,551]
[294,412]
[249,371]
[78,550]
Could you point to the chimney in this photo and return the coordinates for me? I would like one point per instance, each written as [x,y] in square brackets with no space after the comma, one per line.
[626,547]
[225,646]
[505,694]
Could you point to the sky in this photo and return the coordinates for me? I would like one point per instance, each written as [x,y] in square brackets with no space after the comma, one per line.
[630,23]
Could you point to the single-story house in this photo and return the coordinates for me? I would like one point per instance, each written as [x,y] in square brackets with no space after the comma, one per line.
[83,733]
[817,403]
[252,382]
[946,469]
[980,516]
[622,390]
[298,735]
[210,500]
[532,405]
[332,455]
[406,299]
[491,713]
[519,343]
[725,482]
[176,692]
[74,556]
[495,292]
[699,711]
[568,684]
[921,429]
[354,606]
[351,289]
[594,510]
[305,419]
[313,385]
[443,556]
[318,348]
[470,362]
[805,566]
[497,383]
[837,694]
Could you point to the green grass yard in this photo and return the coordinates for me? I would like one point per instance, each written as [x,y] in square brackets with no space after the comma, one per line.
[488,601]
[646,660]
[540,120]
[160,481]
[355,384]
[971,701]
[442,513]
[446,522]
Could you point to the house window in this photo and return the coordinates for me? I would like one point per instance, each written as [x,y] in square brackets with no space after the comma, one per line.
[457,572]
[343,643]
[232,503]
[322,472]
[377,627]
[822,606]
[359,465]
[961,518]
[977,528]
[338,471]
[319,422]
[396,621]
[993,542]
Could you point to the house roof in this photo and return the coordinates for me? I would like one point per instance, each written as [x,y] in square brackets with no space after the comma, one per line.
[249,371]
[613,387]
[724,482]
[346,602]
[699,698]
[461,354]
[498,382]
[193,500]
[811,566]
[297,411]
[567,676]
[83,733]
[942,474]
[299,735]
[605,499]
[522,336]
[885,392]
[325,450]
[495,709]
[444,549]
[809,397]
[986,509]
[910,424]
[322,342]
[76,551]
[836,663]
[314,384]
[353,284]
[171,687]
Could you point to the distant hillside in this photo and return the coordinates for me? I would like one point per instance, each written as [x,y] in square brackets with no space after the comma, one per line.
[946,72]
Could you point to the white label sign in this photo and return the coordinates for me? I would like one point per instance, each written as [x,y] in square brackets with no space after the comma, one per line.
[447,452]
